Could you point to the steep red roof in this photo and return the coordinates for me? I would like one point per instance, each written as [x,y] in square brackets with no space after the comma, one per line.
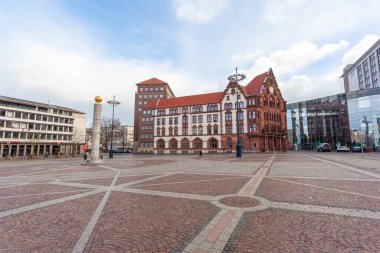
[208,98]
[254,86]
[152,81]
[150,104]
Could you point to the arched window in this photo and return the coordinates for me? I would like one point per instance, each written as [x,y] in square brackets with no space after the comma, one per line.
[209,130]
[185,144]
[160,144]
[241,104]
[197,143]
[173,144]
[200,129]
[212,143]
[163,131]
[184,119]
[158,131]
[170,131]
[228,106]
[215,129]
[175,130]
[195,130]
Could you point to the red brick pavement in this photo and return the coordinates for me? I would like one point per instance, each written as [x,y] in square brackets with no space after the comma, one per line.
[289,192]
[212,188]
[186,178]
[51,229]
[364,187]
[282,231]
[127,179]
[15,202]
[241,202]
[94,181]
[35,189]
[144,223]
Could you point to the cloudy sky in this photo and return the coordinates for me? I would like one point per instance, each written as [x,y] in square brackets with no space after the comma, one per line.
[69,51]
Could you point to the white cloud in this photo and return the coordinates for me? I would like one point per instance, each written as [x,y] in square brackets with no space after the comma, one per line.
[240,58]
[277,10]
[295,58]
[199,11]
[303,87]
[359,49]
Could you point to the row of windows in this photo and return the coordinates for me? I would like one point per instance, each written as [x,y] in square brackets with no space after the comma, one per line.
[240,116]
[33,116]
[146,119]
[34,126]
[150,96]
[187,109]
[171,121]
[272,116]
[145,136]
[151,89]
[34,136]
[147,127]
[196,130]
[238,105]
[33,108]
[147,144]
[185,143]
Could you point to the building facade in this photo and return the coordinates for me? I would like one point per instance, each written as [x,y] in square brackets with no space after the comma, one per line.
[123,139]
[362,86]
[147,91]
[211,122]
[364,105]
[365,72]
[29,129]
[321,120]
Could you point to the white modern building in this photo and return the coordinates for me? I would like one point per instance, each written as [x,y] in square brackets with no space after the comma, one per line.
[32,129]
[123,138]
[365,72]
[362,87]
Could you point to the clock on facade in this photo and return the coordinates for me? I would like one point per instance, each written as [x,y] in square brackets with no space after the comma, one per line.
[271,89]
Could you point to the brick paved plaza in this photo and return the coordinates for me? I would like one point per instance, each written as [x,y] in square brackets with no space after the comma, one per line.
[292,202]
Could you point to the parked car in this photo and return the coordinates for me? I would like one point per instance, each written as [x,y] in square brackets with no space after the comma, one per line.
[324,147]
[356,149]
[342,149]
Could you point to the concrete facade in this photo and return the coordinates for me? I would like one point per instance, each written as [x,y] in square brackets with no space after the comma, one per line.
[32,129]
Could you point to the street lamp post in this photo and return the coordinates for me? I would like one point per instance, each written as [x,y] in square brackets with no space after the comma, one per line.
[235,78]
[113,103]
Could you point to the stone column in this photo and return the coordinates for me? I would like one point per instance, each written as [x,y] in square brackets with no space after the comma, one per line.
[96,130]
[17,149]
[1,150]
[24,150]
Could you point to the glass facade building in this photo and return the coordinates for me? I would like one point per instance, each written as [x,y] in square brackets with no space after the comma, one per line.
[364,104]
[322,120]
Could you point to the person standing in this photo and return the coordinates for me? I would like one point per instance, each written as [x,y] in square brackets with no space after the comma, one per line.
[200,153]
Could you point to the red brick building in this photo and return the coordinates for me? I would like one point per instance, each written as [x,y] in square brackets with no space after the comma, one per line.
[147,91]
[209,122]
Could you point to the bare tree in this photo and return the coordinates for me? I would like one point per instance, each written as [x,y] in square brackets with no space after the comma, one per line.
[121,136]
[78,138]
[106,131]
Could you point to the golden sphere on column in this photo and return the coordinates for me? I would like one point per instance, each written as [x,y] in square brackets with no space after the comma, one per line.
[98,99]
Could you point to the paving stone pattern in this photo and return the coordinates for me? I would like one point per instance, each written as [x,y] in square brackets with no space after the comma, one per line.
[285,202]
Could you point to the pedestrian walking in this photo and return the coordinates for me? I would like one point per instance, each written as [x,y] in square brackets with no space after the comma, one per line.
[200,153]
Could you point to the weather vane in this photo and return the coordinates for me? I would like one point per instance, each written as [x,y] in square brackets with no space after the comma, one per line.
[236,77]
